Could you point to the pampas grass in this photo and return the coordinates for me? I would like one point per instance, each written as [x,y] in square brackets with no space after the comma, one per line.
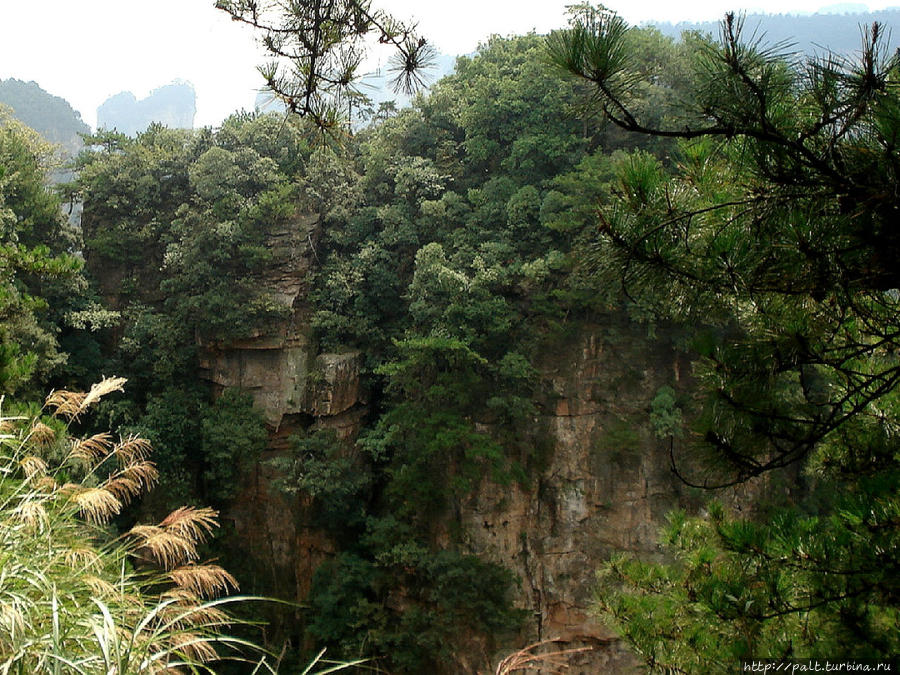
[528,659]
[75,599]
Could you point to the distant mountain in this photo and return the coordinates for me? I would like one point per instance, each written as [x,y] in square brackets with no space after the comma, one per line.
[51,116]
[831,28]
[173,105]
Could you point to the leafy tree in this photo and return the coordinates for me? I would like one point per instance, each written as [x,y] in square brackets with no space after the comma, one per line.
[437,264]
[775,239]
[233,437]
[176,225]
[35,259]
[445,594]
[434,260]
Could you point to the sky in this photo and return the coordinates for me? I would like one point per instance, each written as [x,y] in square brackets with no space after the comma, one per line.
[88,50]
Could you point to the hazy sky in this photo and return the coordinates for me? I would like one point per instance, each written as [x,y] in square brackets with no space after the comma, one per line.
[88,50]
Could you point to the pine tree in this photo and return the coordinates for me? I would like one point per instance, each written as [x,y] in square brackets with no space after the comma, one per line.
[775,238]
[316,49]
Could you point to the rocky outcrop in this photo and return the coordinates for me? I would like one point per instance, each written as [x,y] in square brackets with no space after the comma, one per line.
[279,366]
[173,105]
[335,385]
[294,388]
[606,487]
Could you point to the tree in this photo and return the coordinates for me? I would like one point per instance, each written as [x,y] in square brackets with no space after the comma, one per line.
[317,48]
[35,258]
[775,238]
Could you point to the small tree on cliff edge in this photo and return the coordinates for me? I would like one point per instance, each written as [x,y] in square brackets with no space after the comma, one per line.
[778,237]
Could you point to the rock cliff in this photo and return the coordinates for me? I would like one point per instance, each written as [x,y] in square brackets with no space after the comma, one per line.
[173,105]
[606,485]
[295,388]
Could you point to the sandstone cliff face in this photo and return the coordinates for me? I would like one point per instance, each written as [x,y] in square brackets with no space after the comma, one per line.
[605,487]
[279,367]
[294,387]
[273,366]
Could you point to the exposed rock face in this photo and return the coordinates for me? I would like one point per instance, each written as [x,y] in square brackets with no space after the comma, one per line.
[606,488]
[276,366]
[336,385]
[606,485]
[294,388]
[273,370]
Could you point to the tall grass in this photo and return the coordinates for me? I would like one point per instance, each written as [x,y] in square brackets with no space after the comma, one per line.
[75,598]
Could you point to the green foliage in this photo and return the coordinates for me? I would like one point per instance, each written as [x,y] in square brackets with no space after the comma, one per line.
[182,221]
[745,590]
[35,262]
[172,422]
[233,436]
[317,48]
[186,216]
[338,483]
[445,594]
[444,256]
[665,415]
[445,259]
[771,242]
